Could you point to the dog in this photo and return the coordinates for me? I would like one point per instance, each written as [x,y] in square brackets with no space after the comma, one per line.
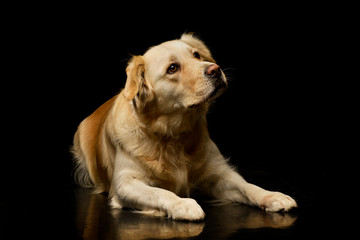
[148,147]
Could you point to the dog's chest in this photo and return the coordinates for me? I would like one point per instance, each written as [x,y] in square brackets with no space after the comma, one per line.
[172,163]
[172,170]
[179,183]
[174,178]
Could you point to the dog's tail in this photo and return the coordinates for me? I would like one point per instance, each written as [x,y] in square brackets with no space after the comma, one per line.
[81,172]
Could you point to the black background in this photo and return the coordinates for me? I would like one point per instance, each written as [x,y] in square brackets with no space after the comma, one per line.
[281,122]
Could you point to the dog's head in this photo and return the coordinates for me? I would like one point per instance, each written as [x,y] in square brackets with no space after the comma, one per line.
[178,74]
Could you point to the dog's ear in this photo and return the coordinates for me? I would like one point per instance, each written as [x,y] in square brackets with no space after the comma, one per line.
[193,41]
[136,87]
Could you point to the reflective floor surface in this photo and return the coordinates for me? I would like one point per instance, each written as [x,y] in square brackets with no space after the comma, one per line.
[65,211]
[77,214]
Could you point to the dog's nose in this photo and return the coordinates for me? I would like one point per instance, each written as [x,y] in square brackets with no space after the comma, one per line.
[213,70]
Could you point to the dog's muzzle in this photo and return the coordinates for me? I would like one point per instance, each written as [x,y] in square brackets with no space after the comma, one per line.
[217,78]
[214,73]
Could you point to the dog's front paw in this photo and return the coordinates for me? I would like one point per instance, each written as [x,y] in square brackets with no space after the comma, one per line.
[186,209]
[276,201]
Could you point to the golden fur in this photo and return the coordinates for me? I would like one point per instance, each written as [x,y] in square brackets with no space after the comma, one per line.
[149,146]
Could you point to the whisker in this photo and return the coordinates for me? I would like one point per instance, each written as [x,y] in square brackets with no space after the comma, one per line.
[229,73]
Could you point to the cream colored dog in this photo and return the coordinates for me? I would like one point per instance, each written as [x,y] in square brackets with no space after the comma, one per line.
[149,146]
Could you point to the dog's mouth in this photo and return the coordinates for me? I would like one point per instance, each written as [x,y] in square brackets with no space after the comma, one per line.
[220,87]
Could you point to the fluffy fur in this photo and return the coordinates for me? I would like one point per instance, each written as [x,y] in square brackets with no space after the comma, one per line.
[149,146]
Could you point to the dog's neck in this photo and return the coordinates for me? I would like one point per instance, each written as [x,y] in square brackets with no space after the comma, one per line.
[175,124]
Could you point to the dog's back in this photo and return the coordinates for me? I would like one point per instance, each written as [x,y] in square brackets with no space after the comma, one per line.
[93,151]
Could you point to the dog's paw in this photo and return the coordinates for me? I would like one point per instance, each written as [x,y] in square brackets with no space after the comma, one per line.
[186,209]
[276,201]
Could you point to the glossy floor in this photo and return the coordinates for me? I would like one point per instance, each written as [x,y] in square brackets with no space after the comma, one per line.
[64,211]
[77,214]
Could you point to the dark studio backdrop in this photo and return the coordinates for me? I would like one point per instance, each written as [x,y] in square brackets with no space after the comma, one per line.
[276,122]
[278,113]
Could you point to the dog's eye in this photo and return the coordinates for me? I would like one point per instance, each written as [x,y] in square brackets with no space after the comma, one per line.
[196,55]
[173,68]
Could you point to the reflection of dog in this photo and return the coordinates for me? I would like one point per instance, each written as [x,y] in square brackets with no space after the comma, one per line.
[149,146]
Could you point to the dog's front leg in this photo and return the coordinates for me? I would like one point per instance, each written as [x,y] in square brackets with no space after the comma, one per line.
[225,184]
[132,191]
[230,186]
[131,187]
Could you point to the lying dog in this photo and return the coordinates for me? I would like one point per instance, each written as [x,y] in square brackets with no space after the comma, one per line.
[149,146]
